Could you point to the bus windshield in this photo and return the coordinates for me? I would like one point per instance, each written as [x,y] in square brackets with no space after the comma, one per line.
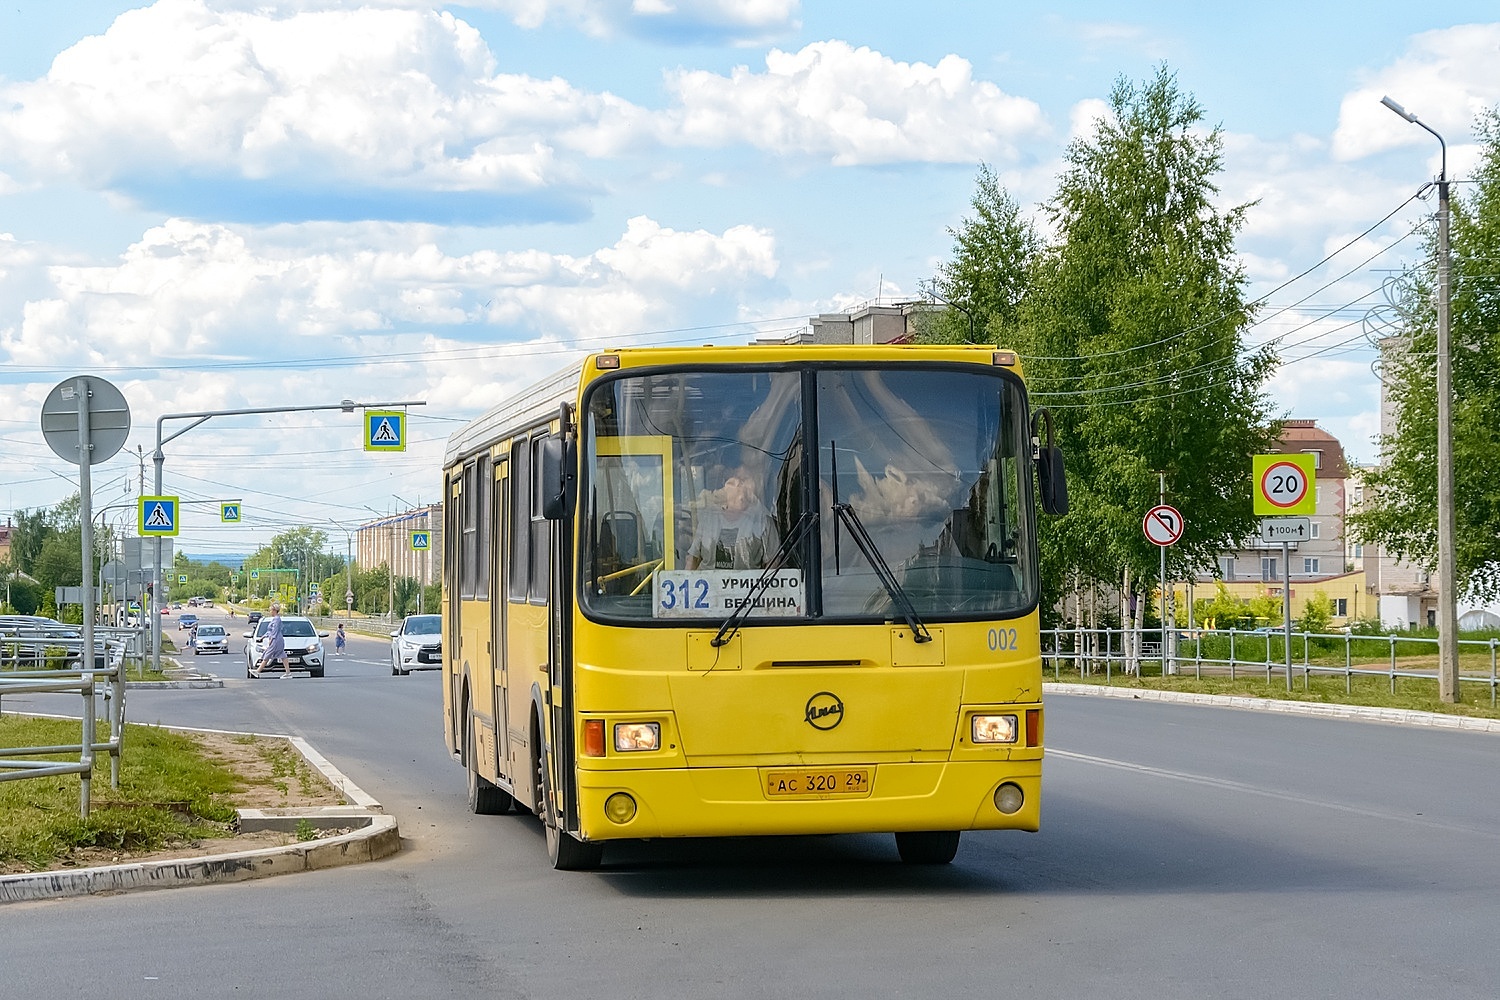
[693,482]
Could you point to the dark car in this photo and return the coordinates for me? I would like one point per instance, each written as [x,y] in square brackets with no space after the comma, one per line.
[26,639]
[253,617]
[186,620]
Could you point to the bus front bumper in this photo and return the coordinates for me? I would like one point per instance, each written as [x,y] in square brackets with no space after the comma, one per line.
[770,801]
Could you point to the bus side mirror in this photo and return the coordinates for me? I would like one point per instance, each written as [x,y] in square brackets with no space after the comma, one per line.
[1052,480]
[556,478]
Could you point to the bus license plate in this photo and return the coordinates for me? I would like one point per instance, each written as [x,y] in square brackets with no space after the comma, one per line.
[819,782]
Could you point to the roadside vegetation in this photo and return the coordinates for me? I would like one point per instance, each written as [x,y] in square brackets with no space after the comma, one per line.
[173,792]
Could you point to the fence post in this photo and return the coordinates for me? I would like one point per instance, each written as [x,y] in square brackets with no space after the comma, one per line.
[1393,664]
[1348,662]
[1492,673]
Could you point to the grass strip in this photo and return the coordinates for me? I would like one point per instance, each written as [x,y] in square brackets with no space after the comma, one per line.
[172,792]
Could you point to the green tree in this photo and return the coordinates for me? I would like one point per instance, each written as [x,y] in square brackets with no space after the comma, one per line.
[32,529]
[1317,613]
[1133,334]
[1400,497]
[989,275]
[60,560]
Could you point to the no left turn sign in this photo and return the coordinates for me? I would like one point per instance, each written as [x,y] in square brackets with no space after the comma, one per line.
[1163,525]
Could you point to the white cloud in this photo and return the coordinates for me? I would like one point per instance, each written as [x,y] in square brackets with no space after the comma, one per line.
[735,22]
[1086,116]
[407,99]
[377,112]
[211,292]
[854,106]
[1446,78]
[739,22]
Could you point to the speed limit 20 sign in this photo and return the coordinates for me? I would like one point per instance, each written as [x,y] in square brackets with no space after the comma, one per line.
[1283,484]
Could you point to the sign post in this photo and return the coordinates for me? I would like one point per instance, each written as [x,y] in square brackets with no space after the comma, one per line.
[86,420]
[1163,526]
[1284,484]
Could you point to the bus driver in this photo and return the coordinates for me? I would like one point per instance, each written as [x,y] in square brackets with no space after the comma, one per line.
[733,530]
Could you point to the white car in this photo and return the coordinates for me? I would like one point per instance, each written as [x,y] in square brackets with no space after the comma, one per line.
[418,645]
[304,645]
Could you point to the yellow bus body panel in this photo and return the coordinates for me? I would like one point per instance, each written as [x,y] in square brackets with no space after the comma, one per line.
[730,717]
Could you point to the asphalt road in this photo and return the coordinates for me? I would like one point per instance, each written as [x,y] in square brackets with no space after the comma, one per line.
[1185,852]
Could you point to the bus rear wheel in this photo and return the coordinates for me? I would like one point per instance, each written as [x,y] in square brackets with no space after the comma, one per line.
[927,847]
[485,798]
[566,852]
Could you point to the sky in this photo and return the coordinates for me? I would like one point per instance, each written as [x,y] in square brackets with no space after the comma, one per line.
[250,204]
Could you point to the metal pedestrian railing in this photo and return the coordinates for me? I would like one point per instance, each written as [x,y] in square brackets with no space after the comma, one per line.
[47,664]
[1231,652]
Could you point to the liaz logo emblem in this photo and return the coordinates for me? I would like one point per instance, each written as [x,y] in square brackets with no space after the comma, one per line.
[824,710]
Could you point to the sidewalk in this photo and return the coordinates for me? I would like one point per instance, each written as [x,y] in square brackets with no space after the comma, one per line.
[1360,713]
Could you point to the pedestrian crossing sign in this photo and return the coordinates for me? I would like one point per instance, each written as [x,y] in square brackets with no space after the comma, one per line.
[229,513]
[157,516]
[385,430]
[182,578]
[421,540]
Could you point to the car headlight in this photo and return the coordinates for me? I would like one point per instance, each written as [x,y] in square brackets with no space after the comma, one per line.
[993,728]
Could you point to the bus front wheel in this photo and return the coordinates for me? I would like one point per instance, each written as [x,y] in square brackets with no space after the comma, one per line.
[566,852]
[927,847]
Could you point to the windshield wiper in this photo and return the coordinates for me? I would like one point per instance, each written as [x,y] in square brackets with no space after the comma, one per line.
[777,564]
[888,579]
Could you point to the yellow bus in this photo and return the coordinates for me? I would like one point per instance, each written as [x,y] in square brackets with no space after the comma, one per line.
[758,590]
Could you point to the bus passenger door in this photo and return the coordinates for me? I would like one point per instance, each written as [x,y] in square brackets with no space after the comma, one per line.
[499,608]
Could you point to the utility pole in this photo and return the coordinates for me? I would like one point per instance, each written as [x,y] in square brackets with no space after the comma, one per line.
[1447,563]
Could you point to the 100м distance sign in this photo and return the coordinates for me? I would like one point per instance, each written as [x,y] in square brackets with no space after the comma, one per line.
[716,593]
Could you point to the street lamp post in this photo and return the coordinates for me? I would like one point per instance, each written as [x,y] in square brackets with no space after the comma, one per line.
[348,569]
[1447,564]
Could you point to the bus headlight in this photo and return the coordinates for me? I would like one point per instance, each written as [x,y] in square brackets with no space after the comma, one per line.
[637,736]
[993,728]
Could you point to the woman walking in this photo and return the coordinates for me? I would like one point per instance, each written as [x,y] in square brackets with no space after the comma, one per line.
[338,640]
[275,645]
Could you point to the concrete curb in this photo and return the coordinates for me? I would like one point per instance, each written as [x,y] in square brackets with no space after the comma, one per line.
[377,837]
[181,682]
[1356,713]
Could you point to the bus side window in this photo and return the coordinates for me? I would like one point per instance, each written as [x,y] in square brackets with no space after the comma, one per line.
[520,520]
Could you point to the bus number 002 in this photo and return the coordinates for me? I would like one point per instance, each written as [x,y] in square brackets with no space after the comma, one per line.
[1002,639]
[693,594]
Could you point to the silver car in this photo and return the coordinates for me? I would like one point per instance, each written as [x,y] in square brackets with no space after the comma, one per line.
[211,639]
[418,645]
